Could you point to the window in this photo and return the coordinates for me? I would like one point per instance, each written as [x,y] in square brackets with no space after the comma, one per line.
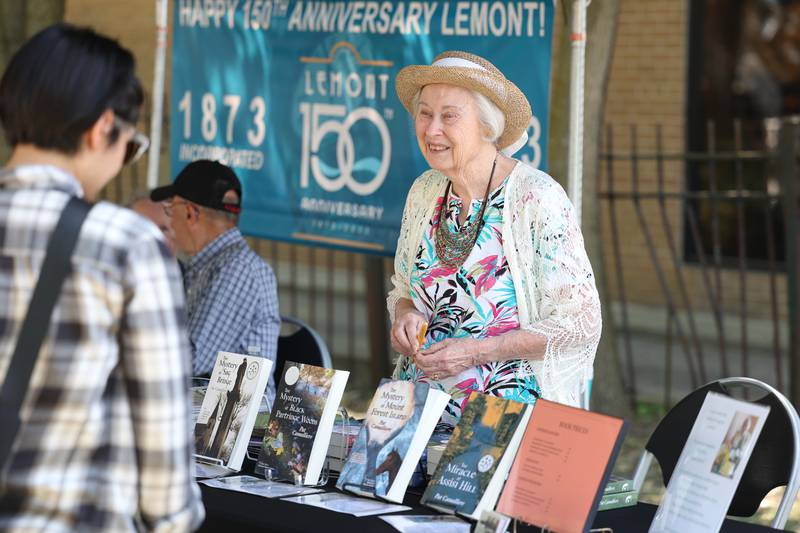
[744,65]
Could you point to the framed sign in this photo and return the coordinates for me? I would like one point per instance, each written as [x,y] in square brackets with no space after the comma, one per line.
[298,97]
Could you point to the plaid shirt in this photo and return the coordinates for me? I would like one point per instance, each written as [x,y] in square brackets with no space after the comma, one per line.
[232,303]
[105,443]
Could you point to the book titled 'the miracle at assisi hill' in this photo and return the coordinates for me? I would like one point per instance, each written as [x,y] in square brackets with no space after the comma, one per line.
[473,467]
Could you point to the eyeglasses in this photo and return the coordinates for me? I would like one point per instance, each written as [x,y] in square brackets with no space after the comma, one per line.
[137,145]
[169,204]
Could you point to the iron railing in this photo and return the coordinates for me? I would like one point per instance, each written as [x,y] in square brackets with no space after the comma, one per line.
[705,286]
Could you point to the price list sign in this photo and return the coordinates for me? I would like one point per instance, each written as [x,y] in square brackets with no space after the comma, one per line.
[298,97]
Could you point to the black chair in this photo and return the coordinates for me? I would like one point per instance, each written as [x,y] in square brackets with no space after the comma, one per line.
[300,344]
[775,459]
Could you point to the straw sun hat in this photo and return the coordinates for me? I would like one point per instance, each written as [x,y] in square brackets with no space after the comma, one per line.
[475,73]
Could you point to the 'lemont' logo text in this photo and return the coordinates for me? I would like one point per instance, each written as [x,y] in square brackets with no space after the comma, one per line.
[332,80]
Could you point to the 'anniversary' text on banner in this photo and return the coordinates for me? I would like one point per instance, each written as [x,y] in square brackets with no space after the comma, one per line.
[298,97]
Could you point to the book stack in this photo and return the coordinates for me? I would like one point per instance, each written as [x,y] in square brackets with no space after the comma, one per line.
[434,451]
[198,393]
[436,446]
[619,492]
[342,440]
[259,429]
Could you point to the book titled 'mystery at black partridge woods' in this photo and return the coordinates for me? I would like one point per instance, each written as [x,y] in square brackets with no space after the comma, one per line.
[300,424]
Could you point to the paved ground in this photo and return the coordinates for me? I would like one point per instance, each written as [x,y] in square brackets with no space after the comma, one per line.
[653,367]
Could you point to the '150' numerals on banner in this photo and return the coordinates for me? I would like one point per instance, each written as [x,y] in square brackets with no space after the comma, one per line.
[209,125]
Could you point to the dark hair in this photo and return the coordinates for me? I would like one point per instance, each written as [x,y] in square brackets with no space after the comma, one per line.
[59,83]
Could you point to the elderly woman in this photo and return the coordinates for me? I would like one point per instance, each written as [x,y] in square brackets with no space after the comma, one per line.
[490,262]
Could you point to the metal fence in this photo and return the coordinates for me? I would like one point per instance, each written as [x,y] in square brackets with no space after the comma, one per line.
[713,231]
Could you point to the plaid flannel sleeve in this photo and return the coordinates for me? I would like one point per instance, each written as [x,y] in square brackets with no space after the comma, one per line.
[156,364]
[239,310]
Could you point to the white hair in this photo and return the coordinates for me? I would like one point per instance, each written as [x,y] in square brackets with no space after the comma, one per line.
[489,115]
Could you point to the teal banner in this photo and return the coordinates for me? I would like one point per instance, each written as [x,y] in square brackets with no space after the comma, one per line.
[298,97]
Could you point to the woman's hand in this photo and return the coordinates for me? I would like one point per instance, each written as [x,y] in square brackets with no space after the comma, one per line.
[407,324]
[448,358]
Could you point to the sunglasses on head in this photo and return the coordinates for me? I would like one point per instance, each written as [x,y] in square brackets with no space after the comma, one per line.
[136,146]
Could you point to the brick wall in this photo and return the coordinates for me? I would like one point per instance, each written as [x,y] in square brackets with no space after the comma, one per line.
[648,88]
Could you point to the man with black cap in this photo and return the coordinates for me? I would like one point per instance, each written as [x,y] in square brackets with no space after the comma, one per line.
[231,295]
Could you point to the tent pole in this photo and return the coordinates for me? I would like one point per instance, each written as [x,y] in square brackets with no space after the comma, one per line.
[575,162]
[576,96]
[157,116]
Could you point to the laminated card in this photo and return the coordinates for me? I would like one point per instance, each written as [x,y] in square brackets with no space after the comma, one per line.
[400,420]
[229,408]
[561,467]
[478,456]
[299,428]
[710,466]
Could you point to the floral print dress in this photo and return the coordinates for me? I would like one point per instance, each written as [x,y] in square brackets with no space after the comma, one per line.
[475,300]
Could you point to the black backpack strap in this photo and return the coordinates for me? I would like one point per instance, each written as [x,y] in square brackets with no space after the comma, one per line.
[56,266]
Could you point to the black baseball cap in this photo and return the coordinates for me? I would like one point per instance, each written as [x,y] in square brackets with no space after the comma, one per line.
[205,183]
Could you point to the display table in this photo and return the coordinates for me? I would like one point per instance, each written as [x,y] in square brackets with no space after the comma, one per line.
[235,511]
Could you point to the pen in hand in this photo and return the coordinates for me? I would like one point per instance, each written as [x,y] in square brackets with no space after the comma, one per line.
[421,335]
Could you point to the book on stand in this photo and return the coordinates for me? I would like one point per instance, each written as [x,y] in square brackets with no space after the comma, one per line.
[561,467]
[228,412]
[400,419]
[478,456]
[711,465]
[300,424]
[618,484]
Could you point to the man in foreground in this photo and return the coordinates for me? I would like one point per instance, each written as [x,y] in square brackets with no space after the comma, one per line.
[105,440]
[231,293]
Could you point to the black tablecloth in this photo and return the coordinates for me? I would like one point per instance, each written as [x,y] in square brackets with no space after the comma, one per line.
[230,511]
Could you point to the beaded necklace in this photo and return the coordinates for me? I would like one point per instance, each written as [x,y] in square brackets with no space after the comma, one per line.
[453,248]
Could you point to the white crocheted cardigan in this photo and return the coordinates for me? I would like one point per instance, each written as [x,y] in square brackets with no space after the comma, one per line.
[556,293]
